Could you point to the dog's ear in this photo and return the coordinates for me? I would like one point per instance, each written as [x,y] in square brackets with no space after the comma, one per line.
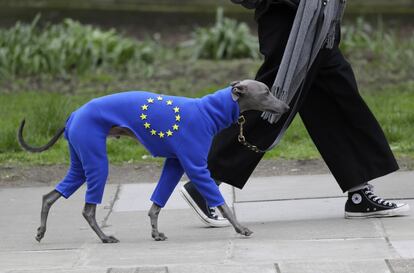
[238,90]
[234,83]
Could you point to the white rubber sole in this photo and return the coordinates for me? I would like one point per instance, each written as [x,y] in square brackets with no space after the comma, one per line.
[223,222]
[403,210]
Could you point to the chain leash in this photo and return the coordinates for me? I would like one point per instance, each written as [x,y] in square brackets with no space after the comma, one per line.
[242,139]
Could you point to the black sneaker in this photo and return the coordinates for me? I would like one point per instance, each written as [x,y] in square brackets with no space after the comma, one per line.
[365,204]
[207,215]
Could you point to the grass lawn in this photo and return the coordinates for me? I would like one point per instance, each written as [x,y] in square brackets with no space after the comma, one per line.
[45,112]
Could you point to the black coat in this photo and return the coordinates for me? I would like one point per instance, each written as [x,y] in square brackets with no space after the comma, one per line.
[342,127]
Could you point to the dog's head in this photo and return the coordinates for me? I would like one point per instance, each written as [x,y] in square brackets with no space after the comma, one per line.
[255,95]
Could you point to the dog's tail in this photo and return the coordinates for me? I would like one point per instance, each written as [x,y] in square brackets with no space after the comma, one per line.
[31,149]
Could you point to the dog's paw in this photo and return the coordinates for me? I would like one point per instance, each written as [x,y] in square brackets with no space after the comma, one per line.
[110,240]
[159,236]
[40,233]
[244,231]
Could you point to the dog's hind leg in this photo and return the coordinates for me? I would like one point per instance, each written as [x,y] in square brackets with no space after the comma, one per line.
[89,212]
[153,214]
[47,201]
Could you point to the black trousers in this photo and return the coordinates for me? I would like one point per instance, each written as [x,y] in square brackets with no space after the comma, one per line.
[342,127]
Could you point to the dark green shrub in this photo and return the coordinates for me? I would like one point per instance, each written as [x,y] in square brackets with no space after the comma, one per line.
[65,48]
[227,39]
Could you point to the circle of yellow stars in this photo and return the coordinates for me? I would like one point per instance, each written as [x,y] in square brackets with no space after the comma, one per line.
[144,117]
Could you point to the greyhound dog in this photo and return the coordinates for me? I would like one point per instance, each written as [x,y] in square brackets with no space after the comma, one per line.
[177,128]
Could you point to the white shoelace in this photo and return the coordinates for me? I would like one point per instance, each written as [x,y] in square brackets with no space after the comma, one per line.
[213,213]
[368,190]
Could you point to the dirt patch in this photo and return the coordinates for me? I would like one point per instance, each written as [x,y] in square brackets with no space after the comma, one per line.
[31,176]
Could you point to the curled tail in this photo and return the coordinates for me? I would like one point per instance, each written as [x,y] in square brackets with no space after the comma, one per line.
[31,149]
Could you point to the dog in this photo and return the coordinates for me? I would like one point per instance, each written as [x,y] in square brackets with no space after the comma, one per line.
[177,128]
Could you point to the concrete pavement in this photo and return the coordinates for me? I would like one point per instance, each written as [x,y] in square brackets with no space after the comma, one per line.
[297,221]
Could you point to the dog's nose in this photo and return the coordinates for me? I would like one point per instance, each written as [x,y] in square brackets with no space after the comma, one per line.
[286,107]
[282,107]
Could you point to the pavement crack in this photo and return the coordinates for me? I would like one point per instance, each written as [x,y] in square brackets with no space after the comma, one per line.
[387,262]
[380,226]
[277,268]
[111,207]
[83,256]
[229,251]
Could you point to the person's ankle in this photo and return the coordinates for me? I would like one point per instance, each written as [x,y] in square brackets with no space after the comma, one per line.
[357,188]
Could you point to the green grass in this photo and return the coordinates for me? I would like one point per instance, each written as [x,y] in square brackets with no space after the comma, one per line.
[45,112]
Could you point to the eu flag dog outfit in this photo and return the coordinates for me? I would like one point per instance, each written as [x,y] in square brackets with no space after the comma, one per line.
[177,128]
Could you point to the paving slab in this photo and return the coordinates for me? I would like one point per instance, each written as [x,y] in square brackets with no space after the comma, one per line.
[67,230]
[405,248]
[57,270]
[222,268]
[307,209]
[288,187]
[39,259]
[367,266]
[290,210]
[316,229]
[400,227]
[20,218]
[136,197]
[401,265]
[324,250]
[149,269]
[395,185]
[189,241]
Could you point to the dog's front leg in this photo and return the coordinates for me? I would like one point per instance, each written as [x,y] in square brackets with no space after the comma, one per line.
[89,213]
[225,210]
[47,201]
[153,214]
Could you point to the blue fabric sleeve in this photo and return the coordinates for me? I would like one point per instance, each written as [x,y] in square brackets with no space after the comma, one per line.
[171,175]
[196,169]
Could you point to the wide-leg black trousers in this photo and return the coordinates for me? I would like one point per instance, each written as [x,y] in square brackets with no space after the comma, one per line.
[342,127]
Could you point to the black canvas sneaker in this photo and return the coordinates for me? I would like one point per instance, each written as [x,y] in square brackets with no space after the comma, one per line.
[365,204]
[208,215]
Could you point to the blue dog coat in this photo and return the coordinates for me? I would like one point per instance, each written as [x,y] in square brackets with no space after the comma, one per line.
[177,128]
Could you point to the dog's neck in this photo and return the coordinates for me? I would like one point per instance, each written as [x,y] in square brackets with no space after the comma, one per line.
[244,105]
[220,109]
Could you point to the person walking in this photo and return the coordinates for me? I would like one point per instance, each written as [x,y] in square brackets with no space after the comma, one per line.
[342,127]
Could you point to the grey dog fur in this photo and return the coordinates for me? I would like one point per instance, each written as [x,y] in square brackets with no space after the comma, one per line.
[249,94]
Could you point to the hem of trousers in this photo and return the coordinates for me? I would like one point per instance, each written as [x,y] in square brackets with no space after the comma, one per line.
[368,177]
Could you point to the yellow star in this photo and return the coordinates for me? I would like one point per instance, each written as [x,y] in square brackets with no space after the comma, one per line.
[150,100]
[169,102]
[143,116]
[176,109]
[144,107]
[161,134]
[177,118]
[147,125]
[169,133]
[159,98]
[153,132]
[175,127]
